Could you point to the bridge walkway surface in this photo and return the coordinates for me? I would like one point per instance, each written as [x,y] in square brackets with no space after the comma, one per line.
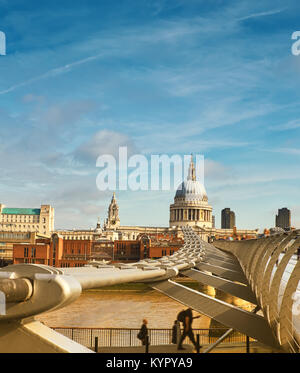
[255,347]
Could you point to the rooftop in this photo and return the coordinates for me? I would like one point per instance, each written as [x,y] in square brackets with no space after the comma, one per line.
[21,211]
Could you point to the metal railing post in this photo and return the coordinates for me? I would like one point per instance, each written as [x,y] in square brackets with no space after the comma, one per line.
[198,343]
[178,333]
[247,345]
[147,345]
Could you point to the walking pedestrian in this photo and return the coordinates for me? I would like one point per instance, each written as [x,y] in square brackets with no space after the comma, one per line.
[143,333]
[187,328]
[175,331]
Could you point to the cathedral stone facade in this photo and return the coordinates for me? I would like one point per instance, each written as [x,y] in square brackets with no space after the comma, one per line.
[190,205]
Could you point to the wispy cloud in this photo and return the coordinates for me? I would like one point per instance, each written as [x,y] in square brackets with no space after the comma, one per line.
[262,14]
[290,125]
[293,151]
[51,73]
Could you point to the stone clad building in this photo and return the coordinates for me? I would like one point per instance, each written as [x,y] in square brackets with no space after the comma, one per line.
[190,205]
[39,220]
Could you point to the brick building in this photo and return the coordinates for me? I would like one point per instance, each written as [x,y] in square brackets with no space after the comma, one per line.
[146,246]
[128,250]
[55,251]
[76,253]
[7,241]
[163,244]
[58,251]
[38,253]
[102,250]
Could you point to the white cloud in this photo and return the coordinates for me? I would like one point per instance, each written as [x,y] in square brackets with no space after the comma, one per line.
[262,14]
[290,125]
[51,73]
[103,142]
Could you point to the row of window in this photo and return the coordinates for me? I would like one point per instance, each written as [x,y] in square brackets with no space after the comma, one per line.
[20,226]
[78,237]
[164,252]
[21,218]
[69,257]
[26,252]
[73,251]
[34,261]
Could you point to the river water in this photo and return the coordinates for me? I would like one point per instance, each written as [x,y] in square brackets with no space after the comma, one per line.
[123,309]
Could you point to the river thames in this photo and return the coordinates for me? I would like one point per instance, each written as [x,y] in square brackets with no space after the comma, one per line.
[123,309]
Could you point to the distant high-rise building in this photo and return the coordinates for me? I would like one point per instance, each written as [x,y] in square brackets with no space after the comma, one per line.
[283,219]
[228,219]
[213,221]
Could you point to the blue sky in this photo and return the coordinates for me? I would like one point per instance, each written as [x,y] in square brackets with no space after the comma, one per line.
[212,77]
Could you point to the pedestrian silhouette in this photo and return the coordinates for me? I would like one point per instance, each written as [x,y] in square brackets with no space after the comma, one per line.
[174,332]
[143,333]
[187,328]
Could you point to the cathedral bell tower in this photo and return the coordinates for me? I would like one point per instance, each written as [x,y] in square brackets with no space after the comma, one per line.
[113,220]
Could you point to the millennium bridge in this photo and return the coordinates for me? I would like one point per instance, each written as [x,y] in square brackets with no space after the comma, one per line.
[264,272]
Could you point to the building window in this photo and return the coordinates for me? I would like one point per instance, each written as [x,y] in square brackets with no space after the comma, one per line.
[33,252]
[25,252]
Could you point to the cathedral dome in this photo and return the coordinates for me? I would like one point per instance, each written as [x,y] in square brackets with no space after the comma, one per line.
[191,190]
[98,229]
[190,205]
